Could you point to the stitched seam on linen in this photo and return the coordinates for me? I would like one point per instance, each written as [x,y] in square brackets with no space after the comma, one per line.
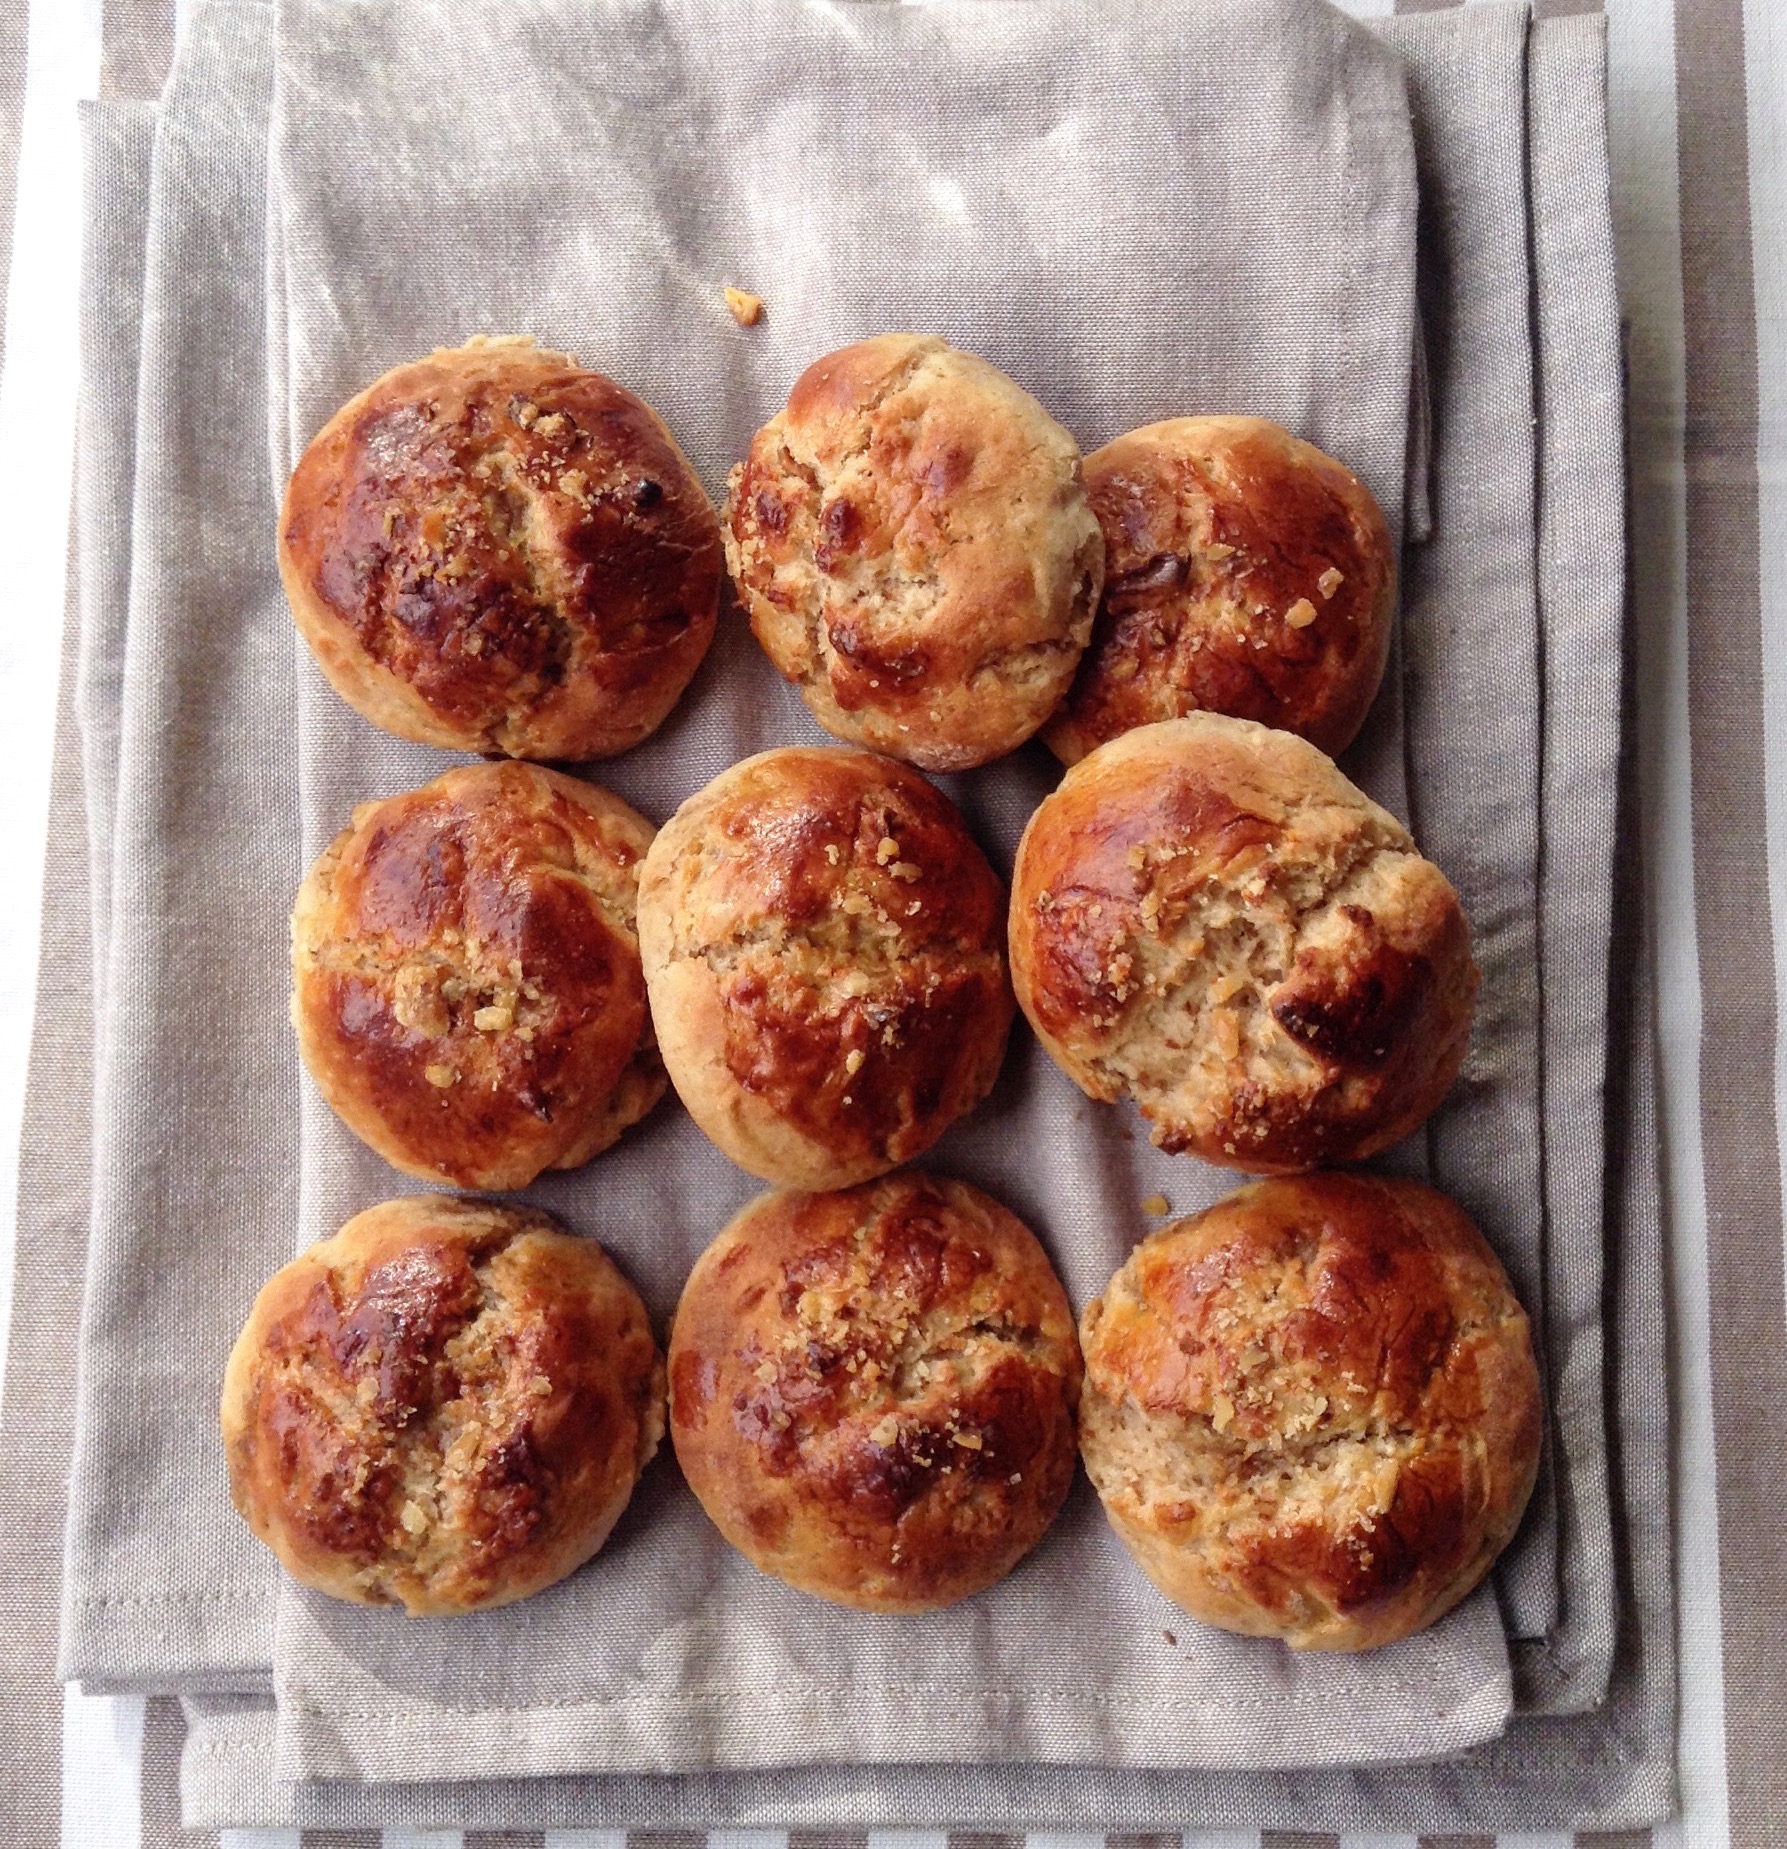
[761,1697]
[230,1595]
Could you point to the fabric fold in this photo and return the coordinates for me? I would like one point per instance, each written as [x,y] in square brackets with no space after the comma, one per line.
[1608,1769]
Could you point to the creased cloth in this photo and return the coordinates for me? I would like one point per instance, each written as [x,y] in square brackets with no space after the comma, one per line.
[943,205]
[237,26]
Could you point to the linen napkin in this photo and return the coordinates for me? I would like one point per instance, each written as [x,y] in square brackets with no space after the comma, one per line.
[176,152]
[195,1154]
[1606,1771]
[937,209]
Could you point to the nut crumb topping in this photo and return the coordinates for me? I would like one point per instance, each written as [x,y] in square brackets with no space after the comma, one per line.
[1156,1205]
[1301,614]
[1330,581]
[439,1076]
[746,308]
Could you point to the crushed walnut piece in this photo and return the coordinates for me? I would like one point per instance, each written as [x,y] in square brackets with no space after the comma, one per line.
[886,1431]
[853,1060]
[886,849]
[1329,582]
[439,1076]
[1156,1205]
[746,309]
[495,1019]
[1301,614]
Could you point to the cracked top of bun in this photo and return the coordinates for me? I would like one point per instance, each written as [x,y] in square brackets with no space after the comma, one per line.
[497,550]
[1312,1411]
[1208,918]
[912,541]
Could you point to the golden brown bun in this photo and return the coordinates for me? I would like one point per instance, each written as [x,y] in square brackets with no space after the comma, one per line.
[822,943]
[912,542]
[1312,1411]
[445,1406]
[494,550]
[1246,572]
[1209,918]
[873,1392]
[465,975]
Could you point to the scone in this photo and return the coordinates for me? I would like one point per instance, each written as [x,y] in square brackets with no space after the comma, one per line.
[822,942]
[496,550]
[872,1393]
[1208,918]
[445,1406]
[466,982]
[1312,1411]
[1246,572]
[912,542]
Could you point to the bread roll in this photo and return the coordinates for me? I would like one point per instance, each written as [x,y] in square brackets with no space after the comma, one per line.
[466,982]
[1208,918]
[1312,1412]
[445,1406]
[496,550]
[873,1392]
[912,542]
[1246,573]
[822,942]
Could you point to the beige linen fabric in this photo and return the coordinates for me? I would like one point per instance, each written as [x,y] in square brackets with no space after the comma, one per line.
[1128,1187]
[1048,141]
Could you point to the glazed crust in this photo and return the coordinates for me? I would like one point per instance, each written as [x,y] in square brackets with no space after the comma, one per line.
[912,542]
[822,943]
[466,983]
[495,550]
[444,1406]
[1313,1411]
[873,1392]
[1207,917]
[1246,572]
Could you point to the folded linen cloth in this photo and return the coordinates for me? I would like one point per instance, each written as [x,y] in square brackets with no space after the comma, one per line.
[396,182]
[195,1151]
[1608,1770]
[428,771]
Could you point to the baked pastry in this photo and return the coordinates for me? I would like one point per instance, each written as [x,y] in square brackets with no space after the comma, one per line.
[444,1406]
[911,540]
[822,945]
[1312,1412]
[496,550]
[1246,572]
[1207,917]
[872,1393]
[465,975]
